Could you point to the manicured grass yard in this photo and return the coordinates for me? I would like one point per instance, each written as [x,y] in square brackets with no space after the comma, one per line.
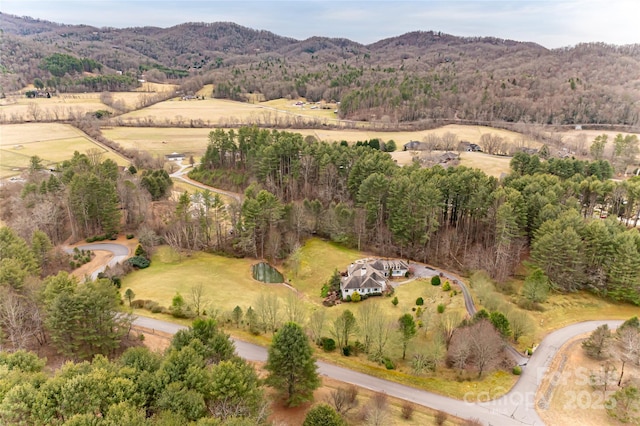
[227,282]
[318,260]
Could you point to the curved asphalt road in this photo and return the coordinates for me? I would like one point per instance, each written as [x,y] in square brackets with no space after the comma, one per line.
[120,253]
[517,407]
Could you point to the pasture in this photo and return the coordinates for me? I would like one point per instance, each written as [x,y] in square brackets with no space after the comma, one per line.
[19,108]
[195,139]
[52,142]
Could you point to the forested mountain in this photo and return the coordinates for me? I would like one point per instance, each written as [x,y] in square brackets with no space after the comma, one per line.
[415,76]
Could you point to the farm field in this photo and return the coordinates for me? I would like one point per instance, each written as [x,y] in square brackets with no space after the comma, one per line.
[195,140]
[160,141]
[51,142]
[492,165]
[210,111]
[19,108]
[310,109]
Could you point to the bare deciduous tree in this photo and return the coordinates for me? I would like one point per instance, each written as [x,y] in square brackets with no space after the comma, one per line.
[344,399]
[294,309]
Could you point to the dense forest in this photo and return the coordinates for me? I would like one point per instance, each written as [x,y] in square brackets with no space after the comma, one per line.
[456,216]
[412,77]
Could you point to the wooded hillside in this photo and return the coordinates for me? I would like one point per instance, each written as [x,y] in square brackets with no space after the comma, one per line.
[415,76]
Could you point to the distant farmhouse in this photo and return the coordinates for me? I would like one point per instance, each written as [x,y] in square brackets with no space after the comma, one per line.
[174,156]
[469,147]
[371,276]
[414,146]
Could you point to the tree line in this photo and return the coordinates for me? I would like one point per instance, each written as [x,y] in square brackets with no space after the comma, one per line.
[458,217]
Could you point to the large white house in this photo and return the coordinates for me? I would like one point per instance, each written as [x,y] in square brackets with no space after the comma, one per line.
[370,276]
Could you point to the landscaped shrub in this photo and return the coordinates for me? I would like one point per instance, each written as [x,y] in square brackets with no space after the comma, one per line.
[137,304]
[117,281]
[395,301]
[149,304]
[435,280]
[158,309]
[129,236]
[347,299]
[140,251]
[419,301]
[355,297]
[441,308]
[517,370]
[328,344]
[139,262]
[346,351]
[324,291]
[446,286]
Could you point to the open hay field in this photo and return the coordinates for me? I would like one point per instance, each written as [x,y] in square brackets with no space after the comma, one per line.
[148,86]
[52,142]
[225,112]
[206,91]
[160,141]
[310,109]
[212,111]
[227,282]
[492,165]
[18,108]
[189,139]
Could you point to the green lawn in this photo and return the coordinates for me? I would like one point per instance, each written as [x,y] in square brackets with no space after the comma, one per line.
[318,260]
[227,282]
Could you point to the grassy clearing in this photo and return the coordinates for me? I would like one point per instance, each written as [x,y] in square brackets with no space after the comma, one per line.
[195,141]
[492,165]
[565,309]
[206,91]
[558,311]
[318,260]
[160,141]
[227,282]
[180,187]
[311,110]
[21,108]
[53,143]
[156,87]
[14,134]
[212,111]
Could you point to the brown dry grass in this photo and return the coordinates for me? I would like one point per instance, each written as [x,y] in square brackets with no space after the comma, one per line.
[50,141]
[565,392]
[282,415]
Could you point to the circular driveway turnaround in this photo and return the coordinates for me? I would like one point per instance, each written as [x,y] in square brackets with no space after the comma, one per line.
[119,252]
[517,407]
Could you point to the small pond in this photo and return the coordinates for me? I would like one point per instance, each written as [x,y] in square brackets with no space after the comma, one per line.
[267,273]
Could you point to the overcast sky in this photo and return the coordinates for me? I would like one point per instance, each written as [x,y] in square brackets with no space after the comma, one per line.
[547,22]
